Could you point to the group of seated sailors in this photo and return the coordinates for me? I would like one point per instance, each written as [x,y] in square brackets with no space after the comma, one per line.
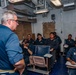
[53,41]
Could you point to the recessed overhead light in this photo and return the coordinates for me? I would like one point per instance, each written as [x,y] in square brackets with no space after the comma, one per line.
[56,2]
[41,11]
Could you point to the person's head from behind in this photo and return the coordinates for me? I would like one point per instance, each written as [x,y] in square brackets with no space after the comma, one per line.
[75,43]
[9,19]
[29,36]
[70,36]
[55,33]
[52,35]
[39,36]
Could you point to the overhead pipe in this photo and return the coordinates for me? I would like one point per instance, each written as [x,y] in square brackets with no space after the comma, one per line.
[45,3]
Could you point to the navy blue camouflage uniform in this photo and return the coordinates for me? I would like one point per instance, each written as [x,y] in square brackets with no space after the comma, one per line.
[53,44]
[10,51]
[72,55]
[70,44]
[42,42]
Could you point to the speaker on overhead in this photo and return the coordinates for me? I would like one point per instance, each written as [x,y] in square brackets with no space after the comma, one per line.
[53,16]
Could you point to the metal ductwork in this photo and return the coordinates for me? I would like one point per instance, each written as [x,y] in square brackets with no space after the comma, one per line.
[35,2]
[41,6]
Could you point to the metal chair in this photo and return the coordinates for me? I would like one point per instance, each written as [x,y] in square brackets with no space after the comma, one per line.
[40,60]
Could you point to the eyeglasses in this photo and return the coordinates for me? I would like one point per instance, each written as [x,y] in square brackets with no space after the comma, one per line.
[14,20]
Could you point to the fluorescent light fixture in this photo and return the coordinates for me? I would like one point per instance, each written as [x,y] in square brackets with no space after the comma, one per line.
[69,4]
[41,11]
[14,1]
[56,2]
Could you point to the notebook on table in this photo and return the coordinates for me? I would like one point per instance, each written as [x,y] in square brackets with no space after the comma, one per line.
[69,65]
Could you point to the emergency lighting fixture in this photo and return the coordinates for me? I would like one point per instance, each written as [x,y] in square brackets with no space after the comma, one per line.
[56,2]
[14,1]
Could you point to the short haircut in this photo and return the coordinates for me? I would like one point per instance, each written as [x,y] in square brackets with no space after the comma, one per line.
[52,33]
[29,34]
[39,34]
[25,41]
[70,35]
[55,33]
[8,15]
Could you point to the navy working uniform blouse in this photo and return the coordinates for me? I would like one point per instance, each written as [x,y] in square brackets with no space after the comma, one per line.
[72,54]
[10,51]
[42,42]
[52,43]
[70,43]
